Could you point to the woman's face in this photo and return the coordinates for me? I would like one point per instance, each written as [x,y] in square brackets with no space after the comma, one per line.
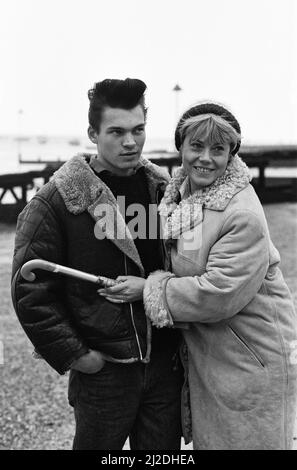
[204,162]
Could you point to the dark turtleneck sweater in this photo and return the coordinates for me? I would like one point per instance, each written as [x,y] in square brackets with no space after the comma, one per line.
[135,190]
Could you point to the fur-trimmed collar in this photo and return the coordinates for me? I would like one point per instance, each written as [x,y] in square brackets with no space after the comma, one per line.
[81,190]
[80,187]
[188,212]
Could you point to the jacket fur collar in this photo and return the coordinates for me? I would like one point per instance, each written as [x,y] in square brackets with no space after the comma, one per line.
[186,214]
[81,190]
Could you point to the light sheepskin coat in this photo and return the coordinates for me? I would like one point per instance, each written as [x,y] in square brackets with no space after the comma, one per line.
[229,295]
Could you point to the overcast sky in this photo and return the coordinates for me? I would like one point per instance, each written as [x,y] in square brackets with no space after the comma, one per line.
[240,53]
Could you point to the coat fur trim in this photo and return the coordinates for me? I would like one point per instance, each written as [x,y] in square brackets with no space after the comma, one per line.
[188,213]
[154,300]
[216,196]
[80,187]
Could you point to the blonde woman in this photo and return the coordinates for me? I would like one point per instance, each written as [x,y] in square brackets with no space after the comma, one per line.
[224,286]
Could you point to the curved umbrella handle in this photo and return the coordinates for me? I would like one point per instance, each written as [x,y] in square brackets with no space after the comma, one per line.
[27,268]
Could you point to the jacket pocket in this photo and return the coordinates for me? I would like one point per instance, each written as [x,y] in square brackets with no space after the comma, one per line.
[236,374]
[242,341]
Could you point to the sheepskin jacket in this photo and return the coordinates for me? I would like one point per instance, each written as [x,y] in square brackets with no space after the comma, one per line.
[239,322]
[64,317]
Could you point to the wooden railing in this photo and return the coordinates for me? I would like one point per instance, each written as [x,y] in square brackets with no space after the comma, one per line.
[260,157]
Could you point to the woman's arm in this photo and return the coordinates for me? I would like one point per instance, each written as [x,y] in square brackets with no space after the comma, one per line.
[236,267]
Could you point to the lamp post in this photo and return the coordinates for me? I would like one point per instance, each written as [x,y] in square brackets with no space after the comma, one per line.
[20,113]
[177,89]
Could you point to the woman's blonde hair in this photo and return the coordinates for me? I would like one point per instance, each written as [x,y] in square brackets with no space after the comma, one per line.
[209,128]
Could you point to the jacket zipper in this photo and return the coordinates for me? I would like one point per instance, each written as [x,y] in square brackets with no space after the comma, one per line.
[132,317]
[255,356]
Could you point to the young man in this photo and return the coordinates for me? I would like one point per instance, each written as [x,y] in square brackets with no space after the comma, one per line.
[125,378]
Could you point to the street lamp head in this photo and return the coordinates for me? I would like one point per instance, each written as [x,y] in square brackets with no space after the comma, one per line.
[177,88]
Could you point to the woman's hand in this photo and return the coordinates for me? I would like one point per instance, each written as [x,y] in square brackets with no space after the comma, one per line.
[129,289]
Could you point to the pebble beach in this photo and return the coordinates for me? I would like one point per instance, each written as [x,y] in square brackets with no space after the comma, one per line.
[34,411]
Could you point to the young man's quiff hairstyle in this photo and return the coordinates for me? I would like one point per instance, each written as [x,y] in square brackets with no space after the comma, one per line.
[125,94]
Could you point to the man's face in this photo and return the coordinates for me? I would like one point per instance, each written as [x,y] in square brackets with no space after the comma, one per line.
[120,139]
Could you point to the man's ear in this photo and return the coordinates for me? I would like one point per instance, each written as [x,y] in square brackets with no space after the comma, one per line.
[92,135]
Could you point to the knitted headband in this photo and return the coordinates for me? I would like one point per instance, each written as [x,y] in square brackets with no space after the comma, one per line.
[207,108]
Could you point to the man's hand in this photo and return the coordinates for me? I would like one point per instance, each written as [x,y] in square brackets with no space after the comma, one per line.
[89,363]
[129,289]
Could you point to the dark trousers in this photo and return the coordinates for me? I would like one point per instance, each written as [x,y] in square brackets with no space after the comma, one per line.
[142,401]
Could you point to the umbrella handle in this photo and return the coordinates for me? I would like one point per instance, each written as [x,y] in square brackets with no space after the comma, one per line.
[27,268]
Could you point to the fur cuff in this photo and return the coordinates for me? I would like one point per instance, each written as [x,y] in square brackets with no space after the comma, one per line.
[154,299]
